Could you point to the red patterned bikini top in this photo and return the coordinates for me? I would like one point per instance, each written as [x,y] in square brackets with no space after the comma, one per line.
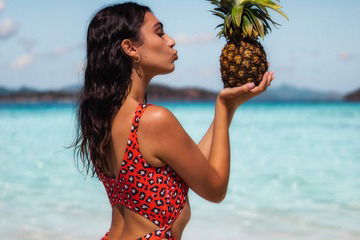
[156,193]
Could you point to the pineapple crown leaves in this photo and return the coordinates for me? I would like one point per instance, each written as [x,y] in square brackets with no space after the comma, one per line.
[245,18]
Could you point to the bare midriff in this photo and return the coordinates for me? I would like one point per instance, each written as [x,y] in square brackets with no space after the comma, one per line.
[129,225]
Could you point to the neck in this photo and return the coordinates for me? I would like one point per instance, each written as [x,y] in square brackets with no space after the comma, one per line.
[139,84]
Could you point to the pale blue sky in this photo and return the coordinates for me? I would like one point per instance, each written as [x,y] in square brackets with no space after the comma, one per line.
[42,43]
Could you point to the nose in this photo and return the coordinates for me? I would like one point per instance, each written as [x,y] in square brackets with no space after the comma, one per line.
[171,42]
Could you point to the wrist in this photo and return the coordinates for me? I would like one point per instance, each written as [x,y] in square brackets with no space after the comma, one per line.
[229,107]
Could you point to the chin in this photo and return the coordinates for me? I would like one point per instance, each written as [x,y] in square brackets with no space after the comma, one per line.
[170,69]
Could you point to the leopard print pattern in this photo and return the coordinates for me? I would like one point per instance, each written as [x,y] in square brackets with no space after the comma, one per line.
[156,193]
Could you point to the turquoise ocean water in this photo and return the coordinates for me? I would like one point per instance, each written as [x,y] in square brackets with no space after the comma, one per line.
[295,174]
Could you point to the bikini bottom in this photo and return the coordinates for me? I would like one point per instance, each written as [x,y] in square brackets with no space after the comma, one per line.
[164,232]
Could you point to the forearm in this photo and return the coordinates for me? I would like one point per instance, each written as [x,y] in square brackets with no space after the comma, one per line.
[205,142]
[219,154]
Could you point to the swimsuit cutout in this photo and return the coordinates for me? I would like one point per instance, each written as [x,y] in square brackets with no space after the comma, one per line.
[156,193]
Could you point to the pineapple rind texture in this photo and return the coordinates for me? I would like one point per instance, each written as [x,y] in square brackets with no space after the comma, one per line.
[242,62]
[243,59]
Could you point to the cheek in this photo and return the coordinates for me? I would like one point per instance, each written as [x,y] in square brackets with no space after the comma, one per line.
[155,50]
[156,56]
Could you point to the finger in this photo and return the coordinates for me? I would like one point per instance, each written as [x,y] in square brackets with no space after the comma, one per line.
[267,82]
[262,86]
[234,91]
[272,78]
[269,78]
[241,89]
[271,75]
[263,82]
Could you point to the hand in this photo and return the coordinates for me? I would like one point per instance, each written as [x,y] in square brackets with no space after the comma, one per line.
[233,97]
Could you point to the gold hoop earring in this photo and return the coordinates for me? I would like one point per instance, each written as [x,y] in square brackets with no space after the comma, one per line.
[137,59]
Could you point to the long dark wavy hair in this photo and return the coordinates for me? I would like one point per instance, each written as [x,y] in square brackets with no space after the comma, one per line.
[106,81]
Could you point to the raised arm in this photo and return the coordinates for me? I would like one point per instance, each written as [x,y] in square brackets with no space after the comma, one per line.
[207,176]
[205,142]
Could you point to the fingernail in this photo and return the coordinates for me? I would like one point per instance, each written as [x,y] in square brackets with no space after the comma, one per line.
[251,85]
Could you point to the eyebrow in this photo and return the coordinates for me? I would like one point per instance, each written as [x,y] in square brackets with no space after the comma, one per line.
[159,24]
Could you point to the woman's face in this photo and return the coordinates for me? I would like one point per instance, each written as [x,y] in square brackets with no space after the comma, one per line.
[157,53]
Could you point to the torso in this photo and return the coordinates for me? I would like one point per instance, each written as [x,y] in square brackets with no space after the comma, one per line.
[122,217]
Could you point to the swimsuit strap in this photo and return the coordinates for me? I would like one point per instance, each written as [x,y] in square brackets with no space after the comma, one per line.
[138,113]
[134,126]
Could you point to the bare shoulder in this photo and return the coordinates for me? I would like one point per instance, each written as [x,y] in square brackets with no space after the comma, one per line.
[168,142]
[163,131]
[158,117]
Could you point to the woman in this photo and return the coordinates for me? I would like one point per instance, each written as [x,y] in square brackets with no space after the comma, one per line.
[140,151]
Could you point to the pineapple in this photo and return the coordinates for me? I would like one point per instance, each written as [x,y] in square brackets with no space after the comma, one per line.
[243,58]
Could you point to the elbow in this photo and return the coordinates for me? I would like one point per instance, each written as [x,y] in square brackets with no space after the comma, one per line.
[218,190]
[219,197]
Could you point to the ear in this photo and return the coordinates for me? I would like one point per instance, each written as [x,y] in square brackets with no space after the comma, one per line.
[129,48]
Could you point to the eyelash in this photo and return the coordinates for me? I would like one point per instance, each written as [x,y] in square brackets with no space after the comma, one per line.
[161,34]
